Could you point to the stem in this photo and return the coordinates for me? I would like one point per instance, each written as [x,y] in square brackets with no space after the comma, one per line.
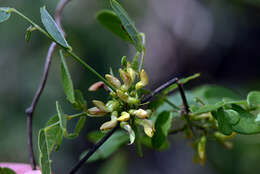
[30,110]
[90,69]
[92,151]
[175,131]
[171,104]
[143,52]
[186,107]
[159,89]
[76,115]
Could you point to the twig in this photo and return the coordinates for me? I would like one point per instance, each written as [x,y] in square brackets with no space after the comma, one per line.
[185,107]
[30,110]
[159,89]
[92,151]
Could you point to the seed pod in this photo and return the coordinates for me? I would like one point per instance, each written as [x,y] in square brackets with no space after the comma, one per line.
[125,76]
[109,124]
[96,112]
[140,113]
[100,105]
[124,117]
[96,86]
[113,81]
[130,131]
[122,95]
[112,105]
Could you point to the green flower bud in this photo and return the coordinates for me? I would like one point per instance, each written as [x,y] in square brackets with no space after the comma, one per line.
[112,105]
[100,105]
[201,149]
[133,100]
[96,112]
[124,117]
[131,72]
[113,81]
[144,80]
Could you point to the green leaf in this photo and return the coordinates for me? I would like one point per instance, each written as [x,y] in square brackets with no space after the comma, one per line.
[116,165]
[208,108]
[62,118]
[162,126]
[66,80]
[183,81]
[54,134]
[211,94]
[253,99]
[79,126]
[44,159]
[258,117]
[4,14]
[223,121]
[112,22]
[128,24]
[6,170]
[80,102]
[247,123]
[118,139]
[138,140]
[53,28]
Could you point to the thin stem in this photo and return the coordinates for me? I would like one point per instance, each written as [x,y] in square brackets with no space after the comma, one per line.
[90,69]
[92,151]
[175,131]
[171,104]
[143,52]
[185,107]
[159,89]
[31,109]
[76,115]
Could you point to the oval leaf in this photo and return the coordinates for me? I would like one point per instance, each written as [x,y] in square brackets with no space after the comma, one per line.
[66,80]
[4,15]
[112,22]
[127,23]
[53,28]
[253,99]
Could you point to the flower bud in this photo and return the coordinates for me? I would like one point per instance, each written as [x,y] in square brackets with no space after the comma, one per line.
[96,86]
[109,124]
[201,149]
[124,117]
[140,113]
[130,131]
[144,80]
[133,100]
[112,105]
[131,72]
[125,76]
[148,126]
[122,95]
[100,105]
[96,112]
[113,81]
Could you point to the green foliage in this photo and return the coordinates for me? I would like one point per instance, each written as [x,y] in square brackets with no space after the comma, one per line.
[113,23]
[53,28]
[4,14]
[162,126]
[6,170]
[117,140]
[128,24]
[44,157]
[253,99]
[66,80]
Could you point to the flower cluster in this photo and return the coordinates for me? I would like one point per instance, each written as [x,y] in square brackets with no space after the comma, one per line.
[124,105]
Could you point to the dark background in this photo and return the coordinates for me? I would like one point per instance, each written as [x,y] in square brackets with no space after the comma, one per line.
[218,38]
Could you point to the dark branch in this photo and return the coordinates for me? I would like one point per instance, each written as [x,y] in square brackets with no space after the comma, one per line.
[31,109]
[159,89]
[92,151]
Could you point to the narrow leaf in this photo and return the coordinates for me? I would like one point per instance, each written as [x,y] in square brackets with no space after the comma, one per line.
[81,103]
[127,23]
[4,14]
[253,99]
[162,127]
[66,80]
[53,28]
[112,22]
[44,159]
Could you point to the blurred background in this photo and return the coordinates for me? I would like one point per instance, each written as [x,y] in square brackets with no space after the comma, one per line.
[218,38]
